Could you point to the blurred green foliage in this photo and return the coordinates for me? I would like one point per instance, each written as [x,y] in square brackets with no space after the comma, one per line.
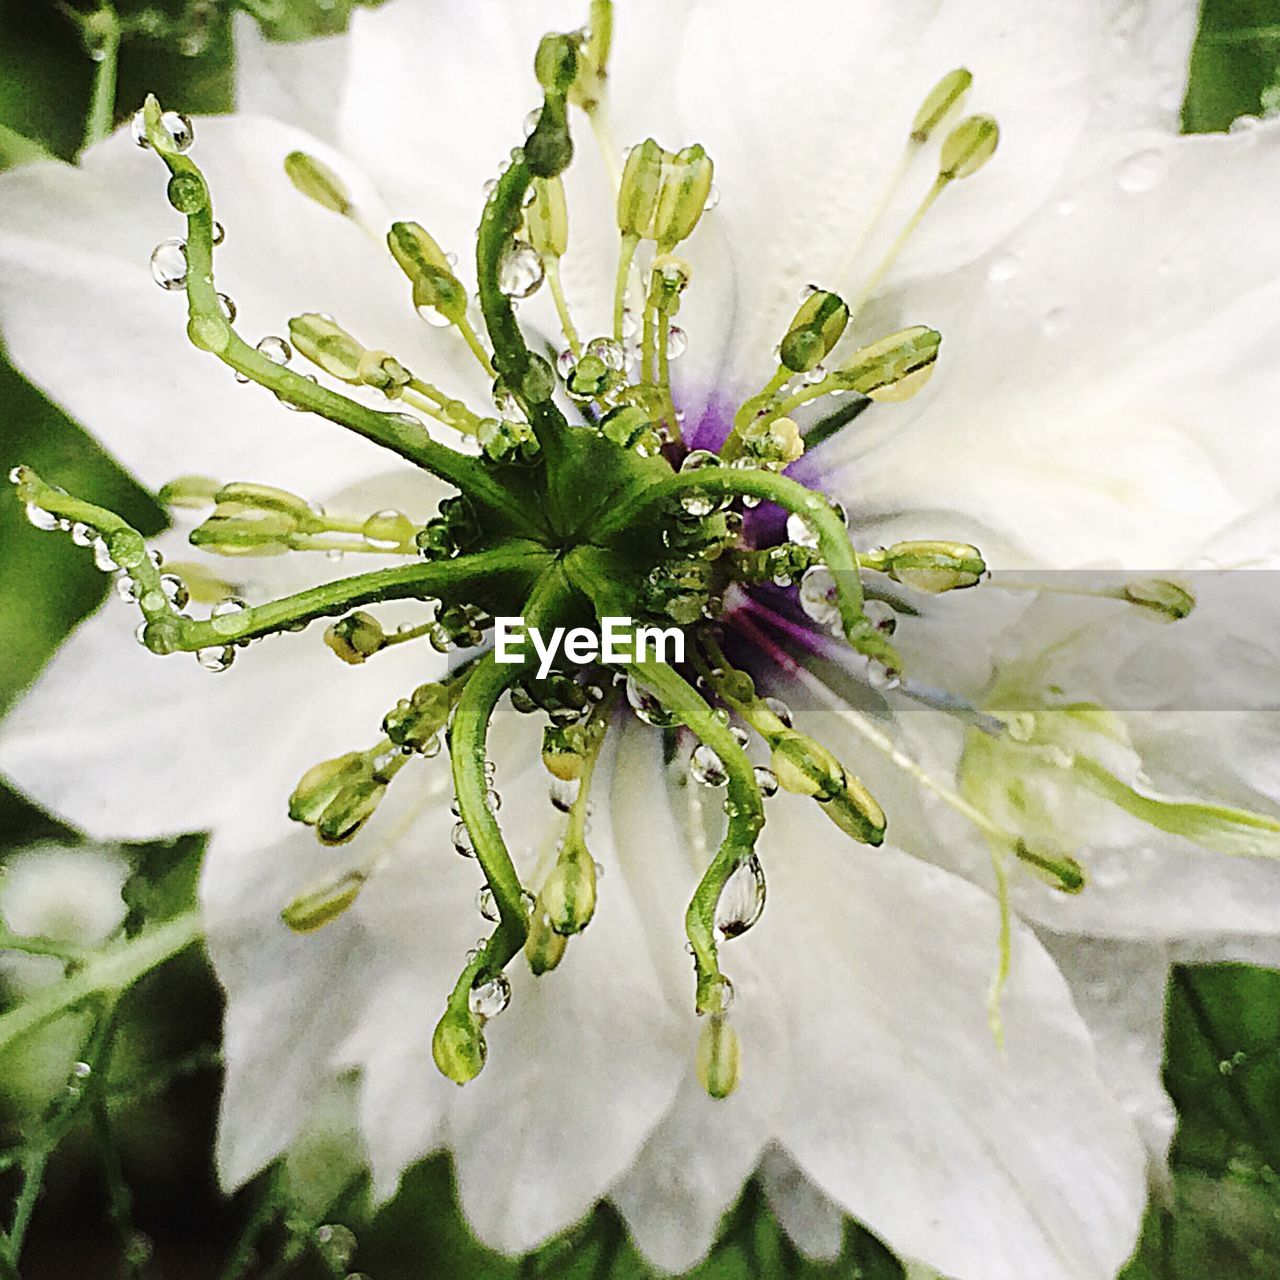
[1221,1216]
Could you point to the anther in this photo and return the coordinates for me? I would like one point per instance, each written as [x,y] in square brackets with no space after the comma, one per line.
[324,903]
[942,100]
[968,148]
[318,182]
[815,330]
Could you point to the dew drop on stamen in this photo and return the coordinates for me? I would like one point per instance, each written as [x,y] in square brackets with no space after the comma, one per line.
[520,270]
[563,793]
[102,557]
[566,361]
[487,904]
[880,676]
[169,264]
[677,342]
[336,1245]
[766,780]
[800,531]
[741,900]
[707,767]
[83,534]
[174,123]
[175,590]
[126,589]
[187,193]
[881,616]
[228,307]
[219,234]
[488,997]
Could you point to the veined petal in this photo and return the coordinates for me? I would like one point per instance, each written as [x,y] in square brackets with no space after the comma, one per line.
[1081,421]
[296,82]
[805,145]
[900,1095]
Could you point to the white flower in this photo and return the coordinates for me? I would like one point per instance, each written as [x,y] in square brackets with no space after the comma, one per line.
[1098,330]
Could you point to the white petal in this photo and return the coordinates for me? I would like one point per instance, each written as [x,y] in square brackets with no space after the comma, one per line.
[297,82]
[807,113]
[126,745]
[85,321]
[1087,366]
[1119,988]
[901,1098]
[1151,44]
[289,998]
[814,1223]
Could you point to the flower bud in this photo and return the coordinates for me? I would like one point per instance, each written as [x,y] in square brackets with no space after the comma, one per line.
[1057,870]
[569,894]
[719,1058]
[544,947]
[556,63]
[774,444]
[317,182]
[434,284]
[641,184]
[382,371]
[968,147]
[934,567]
[943,98]
[322,905]
[805,767]
[189,491]
[817,327]
[593,57]
[356,637]
[894,368]
[458,1046]
[547,218]
[241,498]
[1167,600]
[256,532]
[686,184]
[856,812]
[327,345]
[349,810]
[321,783]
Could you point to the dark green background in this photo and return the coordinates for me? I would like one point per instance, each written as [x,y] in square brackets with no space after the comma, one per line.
[1223,1062]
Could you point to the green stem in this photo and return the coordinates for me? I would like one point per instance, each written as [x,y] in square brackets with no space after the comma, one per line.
[746,818]
[110,972]
[209,330]
[40,947]
[102,106]
[499,225]
[552,267]
[468,752]
[626,256]
[597,728]
[749,408]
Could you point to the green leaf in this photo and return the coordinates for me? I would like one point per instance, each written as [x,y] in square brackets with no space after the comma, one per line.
[1234,62]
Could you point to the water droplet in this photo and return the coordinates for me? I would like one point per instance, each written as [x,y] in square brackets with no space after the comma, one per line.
[630,325]
[564,791]
[277,350]
[169,264]
[531,121]
[461,837]
[1142,171]
[707,767]
[82,1071]
[766,780]
[814,376]
[187,193]
[228,307]
[219,234]
[647,707]
[713,198]
[607,350]
[677,342]
[880,676]
[800,531]
[779,709]
[178,127]
[488,997]
[216,658]
[818,596]
[1054,322]
[520,270]
[102,557]
[175,590]
[434,316]
[741,901]
[739,734]
[336,1245]
[565,362]
[487,904]
[699,502]
[1003,269]
[881,616]
[1067,206]
[126,589]
[82,534]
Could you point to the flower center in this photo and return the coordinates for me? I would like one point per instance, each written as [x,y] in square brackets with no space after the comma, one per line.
[580,499]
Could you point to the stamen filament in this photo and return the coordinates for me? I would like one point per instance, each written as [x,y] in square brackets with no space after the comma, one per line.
[626,257]
[751,407]
[882,269]
[476,347]
[551,266]
[107,32]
